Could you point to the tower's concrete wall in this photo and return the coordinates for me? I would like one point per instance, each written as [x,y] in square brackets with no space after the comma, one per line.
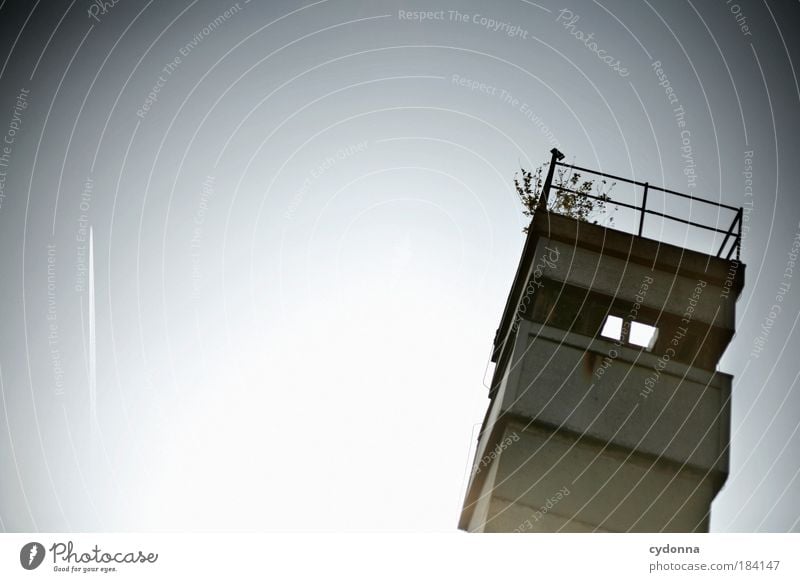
[678,413]
[584,433]
[553,481]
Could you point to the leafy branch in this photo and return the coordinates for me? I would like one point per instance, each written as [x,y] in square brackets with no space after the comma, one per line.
[569,194]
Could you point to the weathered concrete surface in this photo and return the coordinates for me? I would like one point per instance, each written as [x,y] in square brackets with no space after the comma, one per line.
[683,418]
[609,489]
[622,278]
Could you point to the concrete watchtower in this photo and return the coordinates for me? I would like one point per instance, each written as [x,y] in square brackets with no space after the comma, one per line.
[607,412]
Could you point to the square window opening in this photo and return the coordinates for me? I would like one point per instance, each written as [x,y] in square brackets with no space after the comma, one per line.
[612,329]
[643,335]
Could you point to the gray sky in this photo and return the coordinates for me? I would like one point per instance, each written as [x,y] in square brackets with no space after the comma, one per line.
[305,230]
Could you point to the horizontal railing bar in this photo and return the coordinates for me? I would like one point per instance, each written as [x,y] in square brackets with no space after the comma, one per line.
[637,183]
[682,195]
[595,172]
[646,210]
[729,233]
[608,200]
[684,221]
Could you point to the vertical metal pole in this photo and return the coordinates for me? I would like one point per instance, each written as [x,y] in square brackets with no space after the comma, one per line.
[644,206]
[739,238]
[557,156]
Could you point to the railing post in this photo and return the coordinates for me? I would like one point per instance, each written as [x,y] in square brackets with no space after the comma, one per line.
[739,238]
[644,206]
[557,156]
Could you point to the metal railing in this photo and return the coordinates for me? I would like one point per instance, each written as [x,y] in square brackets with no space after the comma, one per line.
[733,233]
